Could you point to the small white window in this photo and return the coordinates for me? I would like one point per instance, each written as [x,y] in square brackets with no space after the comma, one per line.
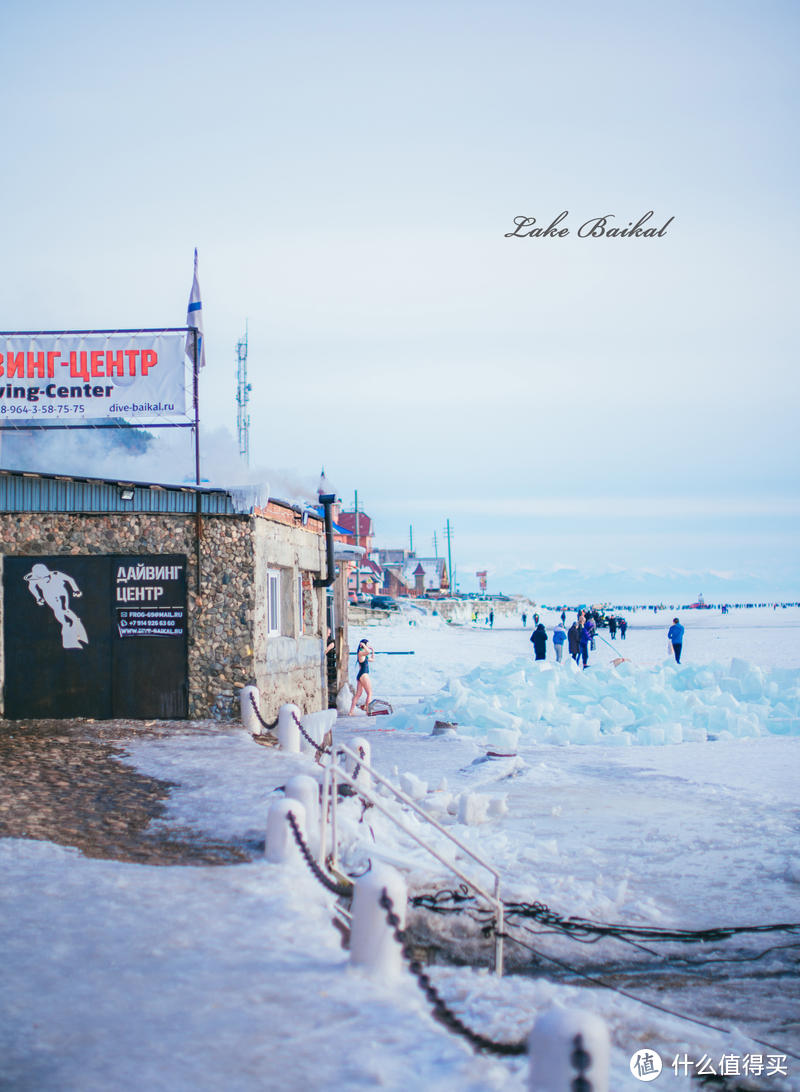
[273,602]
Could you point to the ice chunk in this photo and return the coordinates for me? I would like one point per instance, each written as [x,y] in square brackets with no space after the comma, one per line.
[413,786]
[505,741]
[473,808]
[498,806]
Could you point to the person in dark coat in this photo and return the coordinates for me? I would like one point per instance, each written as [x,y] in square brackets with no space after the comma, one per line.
[623,628]
[612,627]
[539,638]
[574,641]
[587,635]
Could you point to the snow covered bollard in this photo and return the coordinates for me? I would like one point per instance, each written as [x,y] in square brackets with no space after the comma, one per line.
[281,846]
[249,698]
[355,768]
[372,941]
[288,732]
[305,789]
[565,1045]
[317,726]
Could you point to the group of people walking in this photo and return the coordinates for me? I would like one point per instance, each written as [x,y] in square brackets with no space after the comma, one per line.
[579,639]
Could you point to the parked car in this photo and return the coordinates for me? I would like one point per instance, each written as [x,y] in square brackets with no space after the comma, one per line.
[384,602]
[357,598]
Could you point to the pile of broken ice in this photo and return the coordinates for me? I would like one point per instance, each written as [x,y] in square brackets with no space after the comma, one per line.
[559,703]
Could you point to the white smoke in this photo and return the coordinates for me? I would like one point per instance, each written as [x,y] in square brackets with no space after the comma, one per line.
[157,456]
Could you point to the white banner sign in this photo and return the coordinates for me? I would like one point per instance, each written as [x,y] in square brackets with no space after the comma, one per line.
[64,379]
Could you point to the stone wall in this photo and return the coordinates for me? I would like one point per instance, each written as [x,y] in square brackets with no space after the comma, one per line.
[291,663]
[227,644]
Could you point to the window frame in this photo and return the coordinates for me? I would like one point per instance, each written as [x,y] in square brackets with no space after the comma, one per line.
[273,603]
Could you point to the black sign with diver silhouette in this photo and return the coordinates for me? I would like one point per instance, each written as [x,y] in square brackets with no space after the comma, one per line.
[95,636]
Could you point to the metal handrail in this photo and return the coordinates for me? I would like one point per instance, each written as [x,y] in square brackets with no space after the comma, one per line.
[334,772]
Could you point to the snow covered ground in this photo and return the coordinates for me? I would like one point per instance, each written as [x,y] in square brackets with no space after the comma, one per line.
[643,793]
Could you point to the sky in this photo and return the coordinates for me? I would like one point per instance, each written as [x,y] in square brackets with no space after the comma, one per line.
[583,410]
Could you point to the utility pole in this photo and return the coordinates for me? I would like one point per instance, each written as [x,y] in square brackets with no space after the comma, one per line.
[435,546]
[358,555]
[410,539]
[243,389]
[449,557]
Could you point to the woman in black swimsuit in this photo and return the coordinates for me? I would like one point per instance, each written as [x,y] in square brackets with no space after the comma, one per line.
[364,654]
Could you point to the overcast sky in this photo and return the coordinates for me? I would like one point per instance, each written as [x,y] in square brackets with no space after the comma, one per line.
[349,172]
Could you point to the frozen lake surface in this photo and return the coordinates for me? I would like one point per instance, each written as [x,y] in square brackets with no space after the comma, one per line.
[640,793]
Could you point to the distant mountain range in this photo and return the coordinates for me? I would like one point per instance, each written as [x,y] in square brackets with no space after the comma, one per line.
[633,586]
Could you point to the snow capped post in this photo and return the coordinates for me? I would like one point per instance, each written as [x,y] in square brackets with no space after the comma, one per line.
[248,703]
[288,732]
[281,847]
[362,748]
[372,941]
[317,726]
[568,1049]
[305,789]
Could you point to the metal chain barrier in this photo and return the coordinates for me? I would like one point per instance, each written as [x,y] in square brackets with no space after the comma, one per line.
[261,721]
[456,900]
[440,1010]
[362,754]
[320,748]
[343,890]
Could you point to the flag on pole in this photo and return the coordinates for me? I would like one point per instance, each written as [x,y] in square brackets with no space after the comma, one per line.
[194,317]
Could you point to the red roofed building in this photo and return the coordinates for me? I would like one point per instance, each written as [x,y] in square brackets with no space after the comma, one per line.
[366,576]
[358,528]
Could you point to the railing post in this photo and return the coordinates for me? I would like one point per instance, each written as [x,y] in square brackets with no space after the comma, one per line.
[568,1051]
[281,847]
[334,804]
[305,789]
[316,726]
[355,768]
[372,941]
[498,940]
[323,815]
[248,703]
[288,732]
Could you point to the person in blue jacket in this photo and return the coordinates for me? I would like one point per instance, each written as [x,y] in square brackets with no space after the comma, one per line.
[675,636]
[559,637]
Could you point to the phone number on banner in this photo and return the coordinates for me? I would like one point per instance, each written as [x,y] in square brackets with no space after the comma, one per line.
[59,409]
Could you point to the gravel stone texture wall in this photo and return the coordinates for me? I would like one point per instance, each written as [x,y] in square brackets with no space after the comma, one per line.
[226,613]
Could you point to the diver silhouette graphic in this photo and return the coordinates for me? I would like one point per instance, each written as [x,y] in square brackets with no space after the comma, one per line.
[53,588]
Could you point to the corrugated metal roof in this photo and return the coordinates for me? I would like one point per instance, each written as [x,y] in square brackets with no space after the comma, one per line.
[21,491]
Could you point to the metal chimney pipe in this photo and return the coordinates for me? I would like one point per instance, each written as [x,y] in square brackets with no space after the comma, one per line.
[328,499]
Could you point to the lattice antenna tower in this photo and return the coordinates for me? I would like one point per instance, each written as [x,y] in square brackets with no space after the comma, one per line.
[243,389]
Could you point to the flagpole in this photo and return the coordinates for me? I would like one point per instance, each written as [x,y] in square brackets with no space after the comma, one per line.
[198,517]
[194,322]
[196,392]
